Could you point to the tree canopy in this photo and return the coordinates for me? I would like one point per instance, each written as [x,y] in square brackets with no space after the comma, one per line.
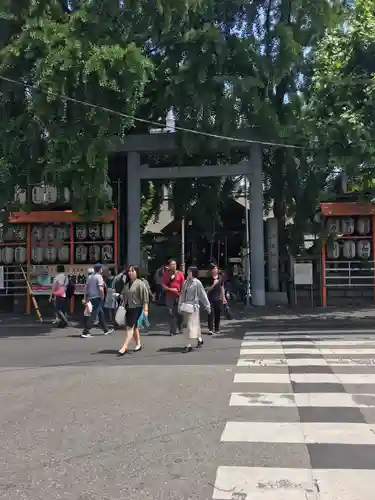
[227,67]
[341,108]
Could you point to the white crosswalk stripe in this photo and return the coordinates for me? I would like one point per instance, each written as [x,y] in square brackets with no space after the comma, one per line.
[303,426]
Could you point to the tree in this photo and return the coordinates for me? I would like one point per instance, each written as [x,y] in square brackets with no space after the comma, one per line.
[84,50]
[246,69]
[341,108]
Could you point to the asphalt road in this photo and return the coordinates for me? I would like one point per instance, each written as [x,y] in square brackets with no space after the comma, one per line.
[77,423]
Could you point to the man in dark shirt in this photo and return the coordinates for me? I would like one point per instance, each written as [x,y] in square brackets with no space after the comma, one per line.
[216,296]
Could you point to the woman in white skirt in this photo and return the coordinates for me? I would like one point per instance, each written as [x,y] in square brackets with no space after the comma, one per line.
[192,294]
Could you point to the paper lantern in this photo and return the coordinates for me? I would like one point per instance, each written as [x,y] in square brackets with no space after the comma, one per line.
[333,225]
[37,195]
[37,233]
[349,250]
[62,233]
[81,253]
[81,232]
[364,249]
[7,255]
[50,254]
[49,233]
[107,231]
[347,225]
[107,253]
[94,231]
[66,195]
[19,233]
[333,250]
[20,196]
[94,253]
[63,253]
[20,255]
[37,254]
[49,195]
[363,225]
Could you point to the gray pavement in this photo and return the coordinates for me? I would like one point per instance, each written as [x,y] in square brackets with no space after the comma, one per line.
[77,423]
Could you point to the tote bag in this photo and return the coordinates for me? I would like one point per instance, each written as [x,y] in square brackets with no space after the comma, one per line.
[60,290]
[120,315]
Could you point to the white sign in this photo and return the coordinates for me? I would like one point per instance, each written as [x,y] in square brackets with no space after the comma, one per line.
[2,286]
[303,273]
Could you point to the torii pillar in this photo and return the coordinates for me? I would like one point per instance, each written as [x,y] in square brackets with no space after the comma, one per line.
[133,227]
[258,294]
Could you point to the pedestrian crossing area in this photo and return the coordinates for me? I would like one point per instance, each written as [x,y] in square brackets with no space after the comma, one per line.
[302,423]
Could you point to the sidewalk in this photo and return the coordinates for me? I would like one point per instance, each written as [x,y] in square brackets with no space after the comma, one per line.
[259,316]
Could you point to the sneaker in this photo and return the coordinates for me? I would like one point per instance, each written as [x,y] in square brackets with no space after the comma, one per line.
[85,335]
[217,332]
[108,332]
[210,332]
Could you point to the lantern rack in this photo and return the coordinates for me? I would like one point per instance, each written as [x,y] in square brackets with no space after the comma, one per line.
[348,257]
[41,240]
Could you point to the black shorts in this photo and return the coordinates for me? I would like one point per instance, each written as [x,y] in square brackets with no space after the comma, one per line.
[132,316]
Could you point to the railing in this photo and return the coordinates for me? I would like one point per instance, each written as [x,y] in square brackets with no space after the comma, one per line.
[349,274]
[14,282]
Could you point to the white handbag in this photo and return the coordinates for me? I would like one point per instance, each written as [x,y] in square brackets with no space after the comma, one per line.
[187,308]
[120,316]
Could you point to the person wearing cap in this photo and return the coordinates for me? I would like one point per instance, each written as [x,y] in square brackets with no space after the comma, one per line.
[88,305]
[94,293]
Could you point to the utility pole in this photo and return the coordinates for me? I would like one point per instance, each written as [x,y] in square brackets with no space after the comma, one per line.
[247,240]
[183,244]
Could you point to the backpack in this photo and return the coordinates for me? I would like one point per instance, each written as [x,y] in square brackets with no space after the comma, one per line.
[119,284]
[70,289]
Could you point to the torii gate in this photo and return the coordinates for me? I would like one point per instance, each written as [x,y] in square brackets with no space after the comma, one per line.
[133,145]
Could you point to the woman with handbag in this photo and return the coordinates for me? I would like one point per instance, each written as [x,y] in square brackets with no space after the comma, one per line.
[58,294]
[192,294]
[135,301]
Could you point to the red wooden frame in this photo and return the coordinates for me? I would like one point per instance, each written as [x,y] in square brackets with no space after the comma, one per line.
[67,217]
[345,209]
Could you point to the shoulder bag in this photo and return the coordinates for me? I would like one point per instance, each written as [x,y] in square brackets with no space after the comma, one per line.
[185,307]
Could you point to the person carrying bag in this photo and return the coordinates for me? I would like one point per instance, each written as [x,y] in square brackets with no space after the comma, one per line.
[192,294]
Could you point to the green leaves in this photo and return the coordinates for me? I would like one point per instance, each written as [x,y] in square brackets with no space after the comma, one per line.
[72,55]
[341,108]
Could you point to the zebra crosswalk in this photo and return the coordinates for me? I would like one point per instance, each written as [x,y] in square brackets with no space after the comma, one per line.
[303,418]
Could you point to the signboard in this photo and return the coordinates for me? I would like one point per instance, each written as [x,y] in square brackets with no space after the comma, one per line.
[41,278]
[303,273]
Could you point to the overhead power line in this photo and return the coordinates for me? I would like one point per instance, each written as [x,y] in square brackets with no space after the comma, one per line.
[149,122]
